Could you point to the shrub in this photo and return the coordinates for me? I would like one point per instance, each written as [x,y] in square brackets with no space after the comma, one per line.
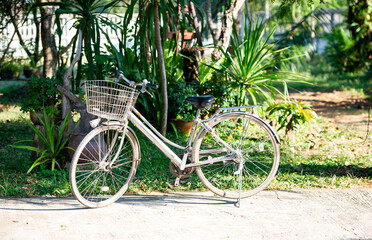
[291,114]
[178,107]
[10,67]
[42,93]
[339,50]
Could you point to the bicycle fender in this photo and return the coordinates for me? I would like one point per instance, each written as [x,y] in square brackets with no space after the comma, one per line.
[252,115]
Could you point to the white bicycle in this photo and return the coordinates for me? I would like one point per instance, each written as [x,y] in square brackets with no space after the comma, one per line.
[235,153]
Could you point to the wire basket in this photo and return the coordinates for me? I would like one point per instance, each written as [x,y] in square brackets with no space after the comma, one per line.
[110,100]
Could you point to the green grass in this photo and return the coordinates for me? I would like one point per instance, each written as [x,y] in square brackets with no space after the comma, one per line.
[5,84]
[12,92]
[14,182]
[324,78]
[321,155]
[325,156]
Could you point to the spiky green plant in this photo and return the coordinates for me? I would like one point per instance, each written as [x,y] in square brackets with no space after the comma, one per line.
[51,146]
[250,65]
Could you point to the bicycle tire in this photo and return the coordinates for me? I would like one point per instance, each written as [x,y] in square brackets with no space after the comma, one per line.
[95,184]
[258,146]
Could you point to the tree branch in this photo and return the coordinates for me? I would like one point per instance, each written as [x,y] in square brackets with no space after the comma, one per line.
[210,22]
[228,19]
[6,49]
[69,45]
[21,42]
[164,93]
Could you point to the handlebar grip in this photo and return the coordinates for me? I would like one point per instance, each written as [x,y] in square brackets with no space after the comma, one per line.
[153,86]
[116,72]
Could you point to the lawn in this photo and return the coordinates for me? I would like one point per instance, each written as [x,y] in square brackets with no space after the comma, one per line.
[322,154]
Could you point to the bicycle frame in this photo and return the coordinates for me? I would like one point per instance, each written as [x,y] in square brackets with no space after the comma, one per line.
[158,140]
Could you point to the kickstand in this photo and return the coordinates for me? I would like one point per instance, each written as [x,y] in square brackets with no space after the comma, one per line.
[237,204]
[177,182]
[240,171]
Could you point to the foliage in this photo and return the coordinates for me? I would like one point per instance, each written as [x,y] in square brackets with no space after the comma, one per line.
[52,147]
[340,50]
[12,94]
[298,64]
[173,63]
[178,107]
[41,93]
[150,106]
[359,20]
[250,66]
[286,5]
[139,61]
[291,114]
[88,19]
[17,11]
[218,86]
[10,67]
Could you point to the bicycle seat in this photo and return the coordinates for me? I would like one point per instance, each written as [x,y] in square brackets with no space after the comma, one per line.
[201,101]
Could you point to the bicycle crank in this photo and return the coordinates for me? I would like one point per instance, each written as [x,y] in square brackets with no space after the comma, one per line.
[178,173]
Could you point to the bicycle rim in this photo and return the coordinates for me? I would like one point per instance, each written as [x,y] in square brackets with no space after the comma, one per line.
[103,166]
[254,142]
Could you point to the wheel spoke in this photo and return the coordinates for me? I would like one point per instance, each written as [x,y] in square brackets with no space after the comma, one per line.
[248,136]
[93,181]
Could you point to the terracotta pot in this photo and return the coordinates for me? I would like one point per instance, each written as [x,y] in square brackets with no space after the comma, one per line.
[186,35]
[182,125]
[28,72]
[91,150]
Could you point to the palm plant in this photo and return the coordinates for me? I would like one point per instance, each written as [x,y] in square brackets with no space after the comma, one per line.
[88,20]
[145,59]
[251,66]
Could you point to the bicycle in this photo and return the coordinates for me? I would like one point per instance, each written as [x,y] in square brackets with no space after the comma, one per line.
[235,153]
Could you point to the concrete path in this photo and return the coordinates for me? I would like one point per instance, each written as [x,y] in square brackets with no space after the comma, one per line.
[305,214]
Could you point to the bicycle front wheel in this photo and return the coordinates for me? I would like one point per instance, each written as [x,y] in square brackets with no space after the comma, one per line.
[104,165]
[255,155]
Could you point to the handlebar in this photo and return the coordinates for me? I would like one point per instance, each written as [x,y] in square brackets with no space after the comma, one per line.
[145,84]
[153,86]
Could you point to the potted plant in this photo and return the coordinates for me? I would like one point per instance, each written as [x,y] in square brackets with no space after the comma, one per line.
[182,113]
[10,70]
[31,70]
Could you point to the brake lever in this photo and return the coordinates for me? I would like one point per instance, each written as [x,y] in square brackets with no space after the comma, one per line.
[149,93]
[144,90]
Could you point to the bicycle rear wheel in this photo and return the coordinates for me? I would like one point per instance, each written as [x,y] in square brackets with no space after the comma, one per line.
[104,165]
[255,146]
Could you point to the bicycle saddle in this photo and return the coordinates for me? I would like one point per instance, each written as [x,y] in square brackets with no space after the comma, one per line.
[201,101]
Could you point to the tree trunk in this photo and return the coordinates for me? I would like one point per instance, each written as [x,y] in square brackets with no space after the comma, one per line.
[48,41]
[210,21]
[229,16]
[163,85]
[66,105]
[145,44]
